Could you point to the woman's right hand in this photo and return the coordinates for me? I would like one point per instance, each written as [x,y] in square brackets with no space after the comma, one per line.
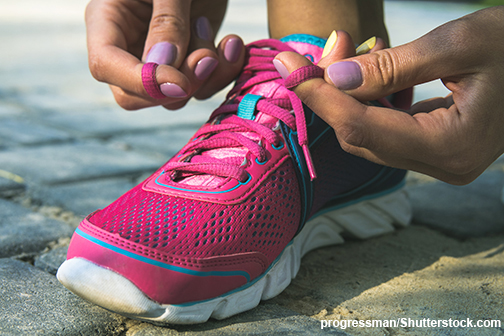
[122,35]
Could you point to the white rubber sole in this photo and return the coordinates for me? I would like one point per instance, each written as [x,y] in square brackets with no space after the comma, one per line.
[112,291]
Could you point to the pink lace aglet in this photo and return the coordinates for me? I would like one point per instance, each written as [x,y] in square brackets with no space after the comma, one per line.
[309,162]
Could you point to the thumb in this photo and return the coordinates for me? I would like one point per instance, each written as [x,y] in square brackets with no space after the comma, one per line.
[169,32]
[374,133]
[380,73]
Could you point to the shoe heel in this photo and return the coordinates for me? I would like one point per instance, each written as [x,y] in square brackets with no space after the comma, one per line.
[374,217]
[366,219]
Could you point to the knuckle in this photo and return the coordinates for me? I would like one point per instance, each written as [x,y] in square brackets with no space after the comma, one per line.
[345,146]
[125,102]
[176,106]
[97,68]
[460,161]
[351,135]
[168,22]
[382,67]
[461,166]
[310,93]
[139,89]
[357,151]
[204,94]
[305,91]
[90,9]
[461,179]
[459,33]
[461,40]
[455,167]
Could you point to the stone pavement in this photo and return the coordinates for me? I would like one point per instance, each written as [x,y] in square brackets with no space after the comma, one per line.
[66,150]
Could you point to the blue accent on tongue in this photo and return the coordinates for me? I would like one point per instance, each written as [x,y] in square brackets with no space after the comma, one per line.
[305,38]
[247,106]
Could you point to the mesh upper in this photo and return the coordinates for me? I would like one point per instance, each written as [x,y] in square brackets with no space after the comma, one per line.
[265,223]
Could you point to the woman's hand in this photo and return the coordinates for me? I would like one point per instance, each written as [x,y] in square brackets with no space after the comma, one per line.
[454,138]
[177,34]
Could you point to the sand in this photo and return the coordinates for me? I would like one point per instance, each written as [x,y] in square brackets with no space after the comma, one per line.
[413,273]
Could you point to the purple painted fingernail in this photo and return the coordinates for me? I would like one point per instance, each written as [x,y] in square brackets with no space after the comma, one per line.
[232,49]
[345,75]
[172,90]
[203,29]
[162,53]
[205,67]
[281,68]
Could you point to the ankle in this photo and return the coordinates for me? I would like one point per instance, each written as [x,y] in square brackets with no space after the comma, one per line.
[321,17]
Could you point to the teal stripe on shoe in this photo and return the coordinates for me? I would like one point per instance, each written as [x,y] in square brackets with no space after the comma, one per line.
[305,38]
[158,263]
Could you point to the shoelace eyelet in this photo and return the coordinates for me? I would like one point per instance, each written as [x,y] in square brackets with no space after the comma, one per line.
[280,146]
[249,178]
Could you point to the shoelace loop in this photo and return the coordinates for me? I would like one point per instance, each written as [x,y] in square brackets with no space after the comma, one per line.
[303,74]
[226,129]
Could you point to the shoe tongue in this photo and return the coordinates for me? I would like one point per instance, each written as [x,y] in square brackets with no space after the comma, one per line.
[306,45]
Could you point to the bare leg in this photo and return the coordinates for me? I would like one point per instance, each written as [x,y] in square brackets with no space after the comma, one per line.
[361,18]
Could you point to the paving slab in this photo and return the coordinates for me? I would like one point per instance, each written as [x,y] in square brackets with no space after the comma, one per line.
[55,92]
[21,132]
[9,109]
[82,198]
[73,162]
[112,120]
[473,210]
[165,142]
[50,262]
[266,319]
[24,231]
[33,302]
[8,187]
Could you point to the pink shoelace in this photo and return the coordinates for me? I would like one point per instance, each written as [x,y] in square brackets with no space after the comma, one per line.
[226,129]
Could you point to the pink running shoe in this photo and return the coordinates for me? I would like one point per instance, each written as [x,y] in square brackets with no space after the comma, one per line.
[224,223]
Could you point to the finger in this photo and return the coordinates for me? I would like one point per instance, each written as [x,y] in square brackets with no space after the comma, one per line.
[383,72]
[131,102]
[201,62]
[109,59]
[198,64]
[131,94]
[431,104]
[204,53]
[176,105]
[231,56]
[339,45]
[197,67]
[112,63]
[384,135]
[177,85]
[169,32]
[379,45]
